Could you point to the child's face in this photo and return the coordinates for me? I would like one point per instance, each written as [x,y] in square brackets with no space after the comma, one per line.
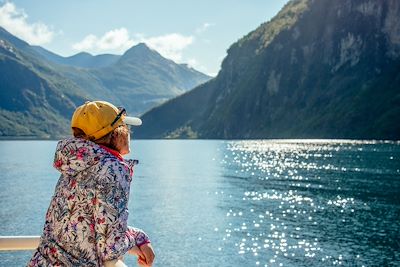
[125,149]
[122,142]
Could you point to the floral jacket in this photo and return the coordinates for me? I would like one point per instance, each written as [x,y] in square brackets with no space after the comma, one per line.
[86,223]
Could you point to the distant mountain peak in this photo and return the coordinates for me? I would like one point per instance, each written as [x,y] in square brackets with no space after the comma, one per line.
[82,54]
[139,53]
[139,48]
[142,46]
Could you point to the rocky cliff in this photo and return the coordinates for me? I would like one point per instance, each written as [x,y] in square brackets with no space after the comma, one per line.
[318,69]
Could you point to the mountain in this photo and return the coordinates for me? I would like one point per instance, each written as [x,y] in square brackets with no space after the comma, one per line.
[139,80]
[144,79]
[34,98]
[318,69]
[39,89]
[82,60]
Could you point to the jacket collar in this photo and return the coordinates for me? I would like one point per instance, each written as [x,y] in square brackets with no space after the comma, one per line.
[113,152]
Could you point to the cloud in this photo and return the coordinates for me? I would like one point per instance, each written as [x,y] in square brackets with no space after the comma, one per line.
[204,27]
[114,40]
[193,63]
[169,45]
[15,21]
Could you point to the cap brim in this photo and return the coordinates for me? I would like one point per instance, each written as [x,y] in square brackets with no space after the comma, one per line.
[132,121]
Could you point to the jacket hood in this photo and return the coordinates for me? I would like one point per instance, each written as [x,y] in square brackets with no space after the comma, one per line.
[74,155]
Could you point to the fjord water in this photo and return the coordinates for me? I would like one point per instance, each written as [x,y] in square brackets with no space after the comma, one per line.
[235,203]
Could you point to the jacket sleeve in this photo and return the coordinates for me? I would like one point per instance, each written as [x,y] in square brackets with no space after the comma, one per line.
[113,237]
[139,235]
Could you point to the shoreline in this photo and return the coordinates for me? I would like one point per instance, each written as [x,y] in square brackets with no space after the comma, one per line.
[35,138]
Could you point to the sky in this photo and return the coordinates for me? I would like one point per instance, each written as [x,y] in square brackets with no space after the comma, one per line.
[194,32]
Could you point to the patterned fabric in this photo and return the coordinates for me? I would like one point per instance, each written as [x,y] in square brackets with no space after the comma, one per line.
[86,223]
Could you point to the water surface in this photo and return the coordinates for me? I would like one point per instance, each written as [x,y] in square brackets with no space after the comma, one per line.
[235,203]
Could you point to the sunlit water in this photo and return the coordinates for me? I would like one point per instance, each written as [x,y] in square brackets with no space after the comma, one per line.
[235,203]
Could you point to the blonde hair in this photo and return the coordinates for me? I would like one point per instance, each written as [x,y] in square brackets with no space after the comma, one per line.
[114,139]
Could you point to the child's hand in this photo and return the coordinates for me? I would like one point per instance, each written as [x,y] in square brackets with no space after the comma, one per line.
[146,255]
[134,251]
[142,262]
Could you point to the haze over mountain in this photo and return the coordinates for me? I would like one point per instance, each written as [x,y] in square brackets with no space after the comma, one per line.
[39,89]
[318,69]
[82,59]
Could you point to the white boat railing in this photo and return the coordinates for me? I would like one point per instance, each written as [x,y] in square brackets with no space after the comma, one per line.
[18,242]
[14,243]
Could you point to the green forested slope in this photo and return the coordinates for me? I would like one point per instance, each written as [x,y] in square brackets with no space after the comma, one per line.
[319,69]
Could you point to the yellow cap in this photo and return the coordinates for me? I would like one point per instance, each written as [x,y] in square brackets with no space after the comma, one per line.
[95,118]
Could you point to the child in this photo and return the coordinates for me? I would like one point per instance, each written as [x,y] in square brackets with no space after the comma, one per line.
[86,223]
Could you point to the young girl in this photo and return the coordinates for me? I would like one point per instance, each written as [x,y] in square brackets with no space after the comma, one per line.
[86,223]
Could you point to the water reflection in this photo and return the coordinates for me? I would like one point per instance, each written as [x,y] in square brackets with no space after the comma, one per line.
[304,203]
[236,203]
